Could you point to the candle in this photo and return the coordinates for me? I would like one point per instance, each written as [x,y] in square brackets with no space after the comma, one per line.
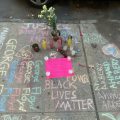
[69,41]
[44,44]
[35,47]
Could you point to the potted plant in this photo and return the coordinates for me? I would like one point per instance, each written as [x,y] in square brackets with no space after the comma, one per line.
[50,17]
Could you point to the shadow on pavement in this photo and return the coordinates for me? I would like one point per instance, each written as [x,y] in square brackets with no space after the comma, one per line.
[109,30]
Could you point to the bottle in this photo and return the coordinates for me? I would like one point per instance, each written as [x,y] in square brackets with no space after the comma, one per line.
[44,44]
[69,41]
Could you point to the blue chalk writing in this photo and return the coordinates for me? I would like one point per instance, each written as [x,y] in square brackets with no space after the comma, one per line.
[13,67]
[10,91]
[3,100]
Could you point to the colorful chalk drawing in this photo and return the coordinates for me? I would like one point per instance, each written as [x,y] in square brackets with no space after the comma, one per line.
[7,57]
[107,75]
[13,68]
[111,49]
[25,53]
[23,80]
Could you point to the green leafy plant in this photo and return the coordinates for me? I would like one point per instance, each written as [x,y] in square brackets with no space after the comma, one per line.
[49,15]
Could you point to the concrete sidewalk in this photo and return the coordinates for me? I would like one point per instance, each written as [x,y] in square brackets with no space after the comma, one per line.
[91,94]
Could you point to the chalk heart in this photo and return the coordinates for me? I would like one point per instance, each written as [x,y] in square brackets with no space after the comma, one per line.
[25,53]
[111,49]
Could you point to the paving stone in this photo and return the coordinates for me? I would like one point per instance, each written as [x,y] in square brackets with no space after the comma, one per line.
[49,116]
[105,76]
[24,87]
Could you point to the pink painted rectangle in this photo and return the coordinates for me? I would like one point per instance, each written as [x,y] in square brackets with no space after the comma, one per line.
[58,67]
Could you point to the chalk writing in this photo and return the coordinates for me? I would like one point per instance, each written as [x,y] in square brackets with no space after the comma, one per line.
[107,75]
[36,91]
[36,71]
[3,34]
[28,96]
[65,85]
[22,106]
[108,95]
[13,67]
[65,97]
[14,92]
[25,53]
[112,76]
[34,26]
[43,34]
[36,32]
[93,38]
[100,83]
[12,99]
[3,100]
[83,104]
[81,78]
[110,101]
[19,77]
[11,117]
[8,56]
[30,99]
[28,73]
[1,88]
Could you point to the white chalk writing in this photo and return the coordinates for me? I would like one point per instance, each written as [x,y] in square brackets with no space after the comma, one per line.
[8,56]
